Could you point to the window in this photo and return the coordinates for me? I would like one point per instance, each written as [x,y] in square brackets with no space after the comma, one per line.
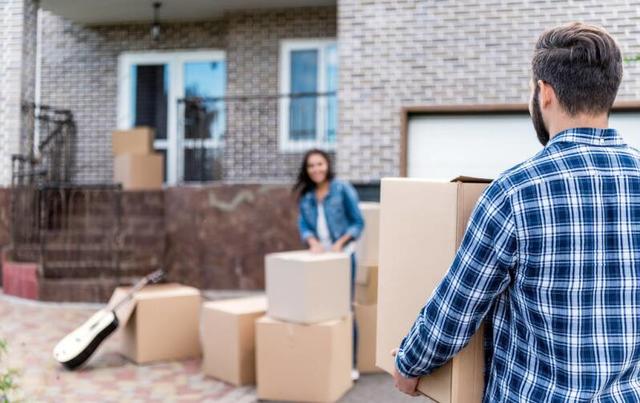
[308,85]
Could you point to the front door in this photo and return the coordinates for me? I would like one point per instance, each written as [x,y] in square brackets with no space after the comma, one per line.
[152,90]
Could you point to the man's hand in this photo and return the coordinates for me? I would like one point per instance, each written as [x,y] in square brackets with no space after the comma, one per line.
[404,385]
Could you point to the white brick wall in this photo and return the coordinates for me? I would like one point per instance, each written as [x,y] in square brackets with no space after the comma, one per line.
[396,53]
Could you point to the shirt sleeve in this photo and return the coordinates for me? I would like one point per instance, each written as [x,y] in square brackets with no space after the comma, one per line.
[356,221]
[479,273]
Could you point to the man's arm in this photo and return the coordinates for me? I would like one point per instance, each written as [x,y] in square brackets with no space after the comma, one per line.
[479,273]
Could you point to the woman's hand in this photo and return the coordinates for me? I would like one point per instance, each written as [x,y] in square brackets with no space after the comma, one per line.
[337,247]
[315,246]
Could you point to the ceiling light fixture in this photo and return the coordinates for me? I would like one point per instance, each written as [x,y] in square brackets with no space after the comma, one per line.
[155,27]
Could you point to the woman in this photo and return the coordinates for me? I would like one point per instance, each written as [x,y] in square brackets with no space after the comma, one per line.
[330,219]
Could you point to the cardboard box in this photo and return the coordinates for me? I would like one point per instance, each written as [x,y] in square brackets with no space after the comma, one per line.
[138,172]
[367,245]
[363,274]
[305,287]
[367,293]
[366,321]
[138,140]
[421,226]
[227,333]
[303,363]
[159,323]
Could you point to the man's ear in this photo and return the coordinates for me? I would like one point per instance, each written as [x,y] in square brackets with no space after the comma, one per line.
[547,94]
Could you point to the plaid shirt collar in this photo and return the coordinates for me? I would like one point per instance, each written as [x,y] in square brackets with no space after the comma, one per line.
[590,136]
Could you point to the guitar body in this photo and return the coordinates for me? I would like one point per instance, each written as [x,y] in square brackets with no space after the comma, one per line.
[76,348]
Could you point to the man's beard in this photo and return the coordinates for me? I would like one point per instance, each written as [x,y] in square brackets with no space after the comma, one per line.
[536,118]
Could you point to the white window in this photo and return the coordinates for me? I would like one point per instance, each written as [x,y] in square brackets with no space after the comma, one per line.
[308,84]
[152,87]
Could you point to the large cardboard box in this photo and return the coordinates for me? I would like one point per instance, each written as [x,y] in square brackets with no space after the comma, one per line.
[367,293]
[366,322]
[138,172]
[160,323]
[367,245]
[421,226]
[227,333]
[138,140]
[305,287]
[303,363]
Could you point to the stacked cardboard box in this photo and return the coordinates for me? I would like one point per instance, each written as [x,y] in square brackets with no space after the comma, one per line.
[366,297]
[304,344]
[421,226]
[135,165]
[159,323]
[227,333]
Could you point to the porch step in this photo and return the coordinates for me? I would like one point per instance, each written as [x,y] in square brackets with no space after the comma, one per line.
[97,289]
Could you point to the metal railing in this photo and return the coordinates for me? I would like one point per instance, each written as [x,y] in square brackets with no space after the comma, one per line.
[47,159]
[206,125]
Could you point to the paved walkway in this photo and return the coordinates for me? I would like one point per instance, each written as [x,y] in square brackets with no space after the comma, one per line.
[33,328]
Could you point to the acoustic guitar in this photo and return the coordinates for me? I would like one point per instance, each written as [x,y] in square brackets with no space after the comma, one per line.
[76,348]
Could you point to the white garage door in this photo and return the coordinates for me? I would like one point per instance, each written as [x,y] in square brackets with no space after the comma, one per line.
[483,145]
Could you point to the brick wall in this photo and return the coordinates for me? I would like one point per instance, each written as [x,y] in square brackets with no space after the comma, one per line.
[17,74]
[253,45]
[397,53]
[79,72]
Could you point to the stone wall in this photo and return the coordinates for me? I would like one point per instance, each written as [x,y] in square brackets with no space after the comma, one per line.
[217,235]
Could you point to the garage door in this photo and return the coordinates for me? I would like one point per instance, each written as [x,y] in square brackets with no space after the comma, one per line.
[482,145]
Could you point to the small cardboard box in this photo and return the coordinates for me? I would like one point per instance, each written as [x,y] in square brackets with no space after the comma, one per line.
[159,323]
[303,363]
[227,333]
[367,245]
[366,322]
[305,287]
[421,226]
[367,293]
[139,172]
[363,274]
[138,140]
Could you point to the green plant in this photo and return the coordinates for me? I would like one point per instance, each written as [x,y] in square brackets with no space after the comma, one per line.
[7,376]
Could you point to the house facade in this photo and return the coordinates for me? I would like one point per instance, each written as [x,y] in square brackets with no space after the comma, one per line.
[365,69]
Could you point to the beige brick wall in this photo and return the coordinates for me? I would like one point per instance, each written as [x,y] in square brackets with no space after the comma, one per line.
[396,53]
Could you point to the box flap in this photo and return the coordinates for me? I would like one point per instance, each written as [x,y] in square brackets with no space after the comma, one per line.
[165,291]
[239,306]
[471,179]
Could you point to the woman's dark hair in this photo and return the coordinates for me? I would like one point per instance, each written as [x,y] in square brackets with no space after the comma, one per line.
[583,64]
[304,182]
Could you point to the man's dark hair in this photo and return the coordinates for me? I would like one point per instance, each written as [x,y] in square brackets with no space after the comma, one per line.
[582,63]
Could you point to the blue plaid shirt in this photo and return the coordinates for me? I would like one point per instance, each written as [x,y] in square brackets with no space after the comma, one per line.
[551,257]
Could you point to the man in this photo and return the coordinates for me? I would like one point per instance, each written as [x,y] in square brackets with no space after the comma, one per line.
[551,254]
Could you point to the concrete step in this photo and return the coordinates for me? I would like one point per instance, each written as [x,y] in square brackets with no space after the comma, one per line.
[97,289]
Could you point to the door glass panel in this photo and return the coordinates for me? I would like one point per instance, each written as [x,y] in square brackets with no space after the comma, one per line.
[149,97]
[204,120]
[302,108]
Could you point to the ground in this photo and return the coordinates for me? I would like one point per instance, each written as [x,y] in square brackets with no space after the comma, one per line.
[33,328]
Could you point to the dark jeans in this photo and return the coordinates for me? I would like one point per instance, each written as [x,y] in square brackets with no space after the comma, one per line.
[355,325]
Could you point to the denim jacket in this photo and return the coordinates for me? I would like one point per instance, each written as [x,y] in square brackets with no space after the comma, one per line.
[341,209]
